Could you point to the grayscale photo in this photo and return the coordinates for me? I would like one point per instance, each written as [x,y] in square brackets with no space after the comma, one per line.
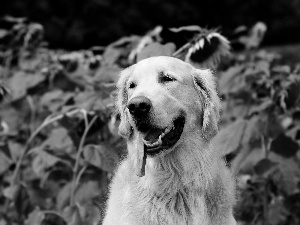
[131,112]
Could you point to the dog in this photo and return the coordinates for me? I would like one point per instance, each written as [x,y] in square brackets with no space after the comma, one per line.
[172,174]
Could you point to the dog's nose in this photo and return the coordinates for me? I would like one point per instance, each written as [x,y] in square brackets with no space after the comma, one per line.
[139,106]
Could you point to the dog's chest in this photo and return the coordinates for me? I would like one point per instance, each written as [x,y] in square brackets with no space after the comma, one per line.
[181,207]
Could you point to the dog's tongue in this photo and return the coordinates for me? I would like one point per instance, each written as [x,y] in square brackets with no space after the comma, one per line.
[140,157]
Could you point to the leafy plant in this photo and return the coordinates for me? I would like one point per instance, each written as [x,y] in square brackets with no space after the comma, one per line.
[261,107]
[59,143]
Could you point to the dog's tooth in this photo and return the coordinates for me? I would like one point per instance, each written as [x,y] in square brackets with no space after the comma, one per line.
[167,130]
[146,142]
[190,51]
[159,140]
[201,43]
[210,36]
[152,144]
[194,49]
[197,46]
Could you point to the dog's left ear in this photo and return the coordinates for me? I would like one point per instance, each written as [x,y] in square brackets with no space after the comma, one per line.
[125,128]
[204,82]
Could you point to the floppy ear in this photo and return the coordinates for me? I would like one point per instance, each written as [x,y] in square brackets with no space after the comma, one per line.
[205,84]
[125,128]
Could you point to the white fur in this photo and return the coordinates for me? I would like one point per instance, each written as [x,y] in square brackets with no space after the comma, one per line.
[188,184]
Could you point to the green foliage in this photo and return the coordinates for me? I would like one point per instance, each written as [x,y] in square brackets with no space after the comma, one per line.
[59,143]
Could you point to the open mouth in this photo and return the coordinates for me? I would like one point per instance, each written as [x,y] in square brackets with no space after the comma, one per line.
[156,140]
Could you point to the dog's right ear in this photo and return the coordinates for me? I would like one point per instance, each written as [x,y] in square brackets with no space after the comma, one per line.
[125,128]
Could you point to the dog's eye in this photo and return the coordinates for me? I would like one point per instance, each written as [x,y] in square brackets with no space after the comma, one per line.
[166,78]
[132,85]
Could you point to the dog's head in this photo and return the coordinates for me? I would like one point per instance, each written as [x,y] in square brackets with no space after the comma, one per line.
[162,100]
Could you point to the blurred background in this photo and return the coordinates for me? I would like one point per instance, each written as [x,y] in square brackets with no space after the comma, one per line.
[59,63]
[76,24]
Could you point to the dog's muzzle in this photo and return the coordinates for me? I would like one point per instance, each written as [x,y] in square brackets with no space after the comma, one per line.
[155,139]
[151,139]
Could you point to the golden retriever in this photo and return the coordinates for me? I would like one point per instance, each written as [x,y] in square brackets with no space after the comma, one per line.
[172,174]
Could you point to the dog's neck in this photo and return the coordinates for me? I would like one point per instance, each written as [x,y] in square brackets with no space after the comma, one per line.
[165,173]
